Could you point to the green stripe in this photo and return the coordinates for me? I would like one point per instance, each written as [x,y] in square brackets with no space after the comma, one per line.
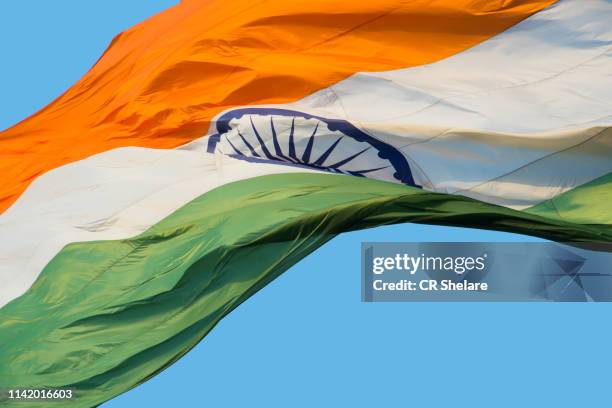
[105,316]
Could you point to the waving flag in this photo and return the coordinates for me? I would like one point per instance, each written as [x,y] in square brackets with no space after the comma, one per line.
[216,144]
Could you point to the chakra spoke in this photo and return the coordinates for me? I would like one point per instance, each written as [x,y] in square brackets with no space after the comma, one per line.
[234,147]
[326,154]
[348,159]
[264,149]
[277,148]
[248,145]
[306,155]
[292,142]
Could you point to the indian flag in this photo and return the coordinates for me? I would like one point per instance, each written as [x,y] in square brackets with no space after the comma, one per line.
[216,144]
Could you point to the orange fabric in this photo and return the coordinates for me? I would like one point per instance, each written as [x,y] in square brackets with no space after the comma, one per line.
[160,83]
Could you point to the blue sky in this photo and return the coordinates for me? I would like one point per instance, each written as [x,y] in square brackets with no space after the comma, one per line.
[306,340]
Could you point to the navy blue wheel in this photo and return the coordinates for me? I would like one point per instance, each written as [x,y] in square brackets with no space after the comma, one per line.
[298,139]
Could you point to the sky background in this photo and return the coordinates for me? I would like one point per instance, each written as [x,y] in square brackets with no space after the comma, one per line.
[306,340]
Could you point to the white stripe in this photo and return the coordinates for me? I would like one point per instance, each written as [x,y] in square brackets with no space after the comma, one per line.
[515,120]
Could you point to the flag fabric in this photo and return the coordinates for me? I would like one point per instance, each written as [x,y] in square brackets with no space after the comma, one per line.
[216,144]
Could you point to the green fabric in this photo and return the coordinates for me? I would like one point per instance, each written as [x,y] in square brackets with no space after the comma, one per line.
[587,204]
[105,316]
